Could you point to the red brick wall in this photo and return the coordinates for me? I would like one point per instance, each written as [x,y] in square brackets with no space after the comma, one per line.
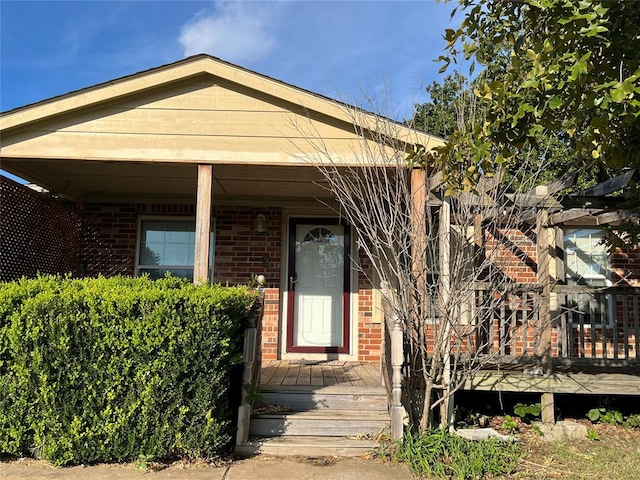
[625,267]
[111,231]
[241,252]
[109,239]
[110,236]
[514,253]
[369,331]
[270,322]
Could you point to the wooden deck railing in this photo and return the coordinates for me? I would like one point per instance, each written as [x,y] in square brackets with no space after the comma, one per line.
[585,325]
[507,323]
[598,322]
[585,322]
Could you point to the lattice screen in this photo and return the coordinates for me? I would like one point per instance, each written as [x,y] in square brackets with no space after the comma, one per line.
[38,234]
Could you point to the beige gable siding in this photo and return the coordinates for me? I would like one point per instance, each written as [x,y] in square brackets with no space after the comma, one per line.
[201,121]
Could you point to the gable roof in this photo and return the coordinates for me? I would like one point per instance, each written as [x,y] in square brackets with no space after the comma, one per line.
[143,134]
[191,68]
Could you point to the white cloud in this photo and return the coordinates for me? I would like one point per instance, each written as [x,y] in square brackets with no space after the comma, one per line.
[236,31]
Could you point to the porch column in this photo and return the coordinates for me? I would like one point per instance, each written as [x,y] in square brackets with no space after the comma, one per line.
[544,280]
[203,224]
[447,406]
[419,228]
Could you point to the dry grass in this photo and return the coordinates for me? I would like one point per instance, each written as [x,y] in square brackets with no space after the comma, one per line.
[615,456]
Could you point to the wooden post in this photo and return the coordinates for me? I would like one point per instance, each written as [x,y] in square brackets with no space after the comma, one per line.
[419,230]
[392,322]
[558,278]
[397,359]
[446,410]
[544,280]
[251,371]
[244,411]
[548,408]
[203,224]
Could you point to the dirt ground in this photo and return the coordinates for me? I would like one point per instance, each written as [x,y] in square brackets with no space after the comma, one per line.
[614,454]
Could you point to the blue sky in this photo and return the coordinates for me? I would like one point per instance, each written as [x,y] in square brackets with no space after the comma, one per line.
[336,48]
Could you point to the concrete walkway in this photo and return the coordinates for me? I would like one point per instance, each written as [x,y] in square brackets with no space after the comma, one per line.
[256,468]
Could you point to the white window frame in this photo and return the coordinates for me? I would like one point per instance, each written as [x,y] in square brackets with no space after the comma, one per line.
[588,280]
[174,218]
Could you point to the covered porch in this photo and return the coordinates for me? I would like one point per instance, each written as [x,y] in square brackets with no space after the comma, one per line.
[205,169]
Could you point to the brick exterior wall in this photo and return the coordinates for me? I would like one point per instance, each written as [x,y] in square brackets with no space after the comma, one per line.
[515,253]
[625,267]
[110,240]
[270,324]
[369,330]
[111,231]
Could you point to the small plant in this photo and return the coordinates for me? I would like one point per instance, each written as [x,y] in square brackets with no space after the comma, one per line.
[537,430]
[604,415]
[532,410]
[593,435]
[633,421]
[254,394]
[143,462]
[510,424]
[439,454]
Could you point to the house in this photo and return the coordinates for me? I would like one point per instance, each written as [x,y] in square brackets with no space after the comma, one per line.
[206,170]
[210,171]
[135,153]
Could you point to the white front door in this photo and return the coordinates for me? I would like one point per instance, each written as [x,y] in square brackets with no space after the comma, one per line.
[318,300]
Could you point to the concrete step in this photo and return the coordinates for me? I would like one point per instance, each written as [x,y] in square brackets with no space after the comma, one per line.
[300,398]
[328,423]
[308,446]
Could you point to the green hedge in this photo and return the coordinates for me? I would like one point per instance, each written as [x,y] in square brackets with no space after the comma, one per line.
[104,370]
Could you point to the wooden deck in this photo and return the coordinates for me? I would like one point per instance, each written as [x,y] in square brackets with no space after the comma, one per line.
[581,376]
[320,373]
[582,383]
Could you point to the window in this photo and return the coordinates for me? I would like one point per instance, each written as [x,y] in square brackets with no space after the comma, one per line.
[586,258]
[167,245]
[587,263]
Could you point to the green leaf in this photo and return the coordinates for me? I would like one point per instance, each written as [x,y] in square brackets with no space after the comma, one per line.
[531,55]
[555,103]
[593,414]
[617,94]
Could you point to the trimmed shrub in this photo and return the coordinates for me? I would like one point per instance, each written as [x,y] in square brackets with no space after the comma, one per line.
[109,369]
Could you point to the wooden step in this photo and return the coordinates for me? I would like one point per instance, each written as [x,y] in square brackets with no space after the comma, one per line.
[300,398]
[308,446]
[332,423]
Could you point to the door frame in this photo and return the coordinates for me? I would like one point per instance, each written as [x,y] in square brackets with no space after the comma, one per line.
[292,223]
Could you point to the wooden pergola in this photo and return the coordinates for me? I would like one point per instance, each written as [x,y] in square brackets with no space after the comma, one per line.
[548,209]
